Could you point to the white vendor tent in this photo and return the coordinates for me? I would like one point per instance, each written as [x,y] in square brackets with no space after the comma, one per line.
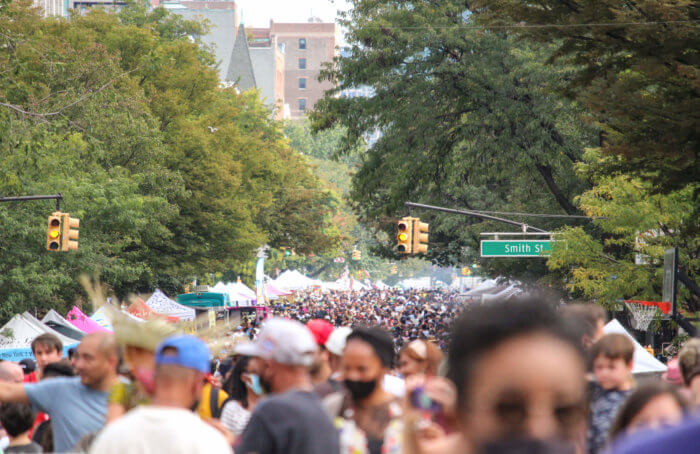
[17,335]
[56,321]
[644,362]
[294,280]
[161,304]
[100,317]
[239,294]
[65,340]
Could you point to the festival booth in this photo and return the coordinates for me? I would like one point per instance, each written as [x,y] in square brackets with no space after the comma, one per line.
[55,321]
[238,293]
[160,303]
[141,310]
[293,280]
[65,340]
[100,317]
[272,292]
[77,318]
[17,335]
[644,362]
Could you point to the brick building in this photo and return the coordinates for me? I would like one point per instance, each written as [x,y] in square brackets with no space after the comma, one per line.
[306,47]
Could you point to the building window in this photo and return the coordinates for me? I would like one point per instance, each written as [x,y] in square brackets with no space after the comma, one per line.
[302,63]
[302,43]
[302,104]
[302,83]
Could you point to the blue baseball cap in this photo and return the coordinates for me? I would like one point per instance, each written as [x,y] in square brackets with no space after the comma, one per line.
[189,352]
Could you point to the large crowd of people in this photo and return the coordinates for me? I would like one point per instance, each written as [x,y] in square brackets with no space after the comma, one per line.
[353,373]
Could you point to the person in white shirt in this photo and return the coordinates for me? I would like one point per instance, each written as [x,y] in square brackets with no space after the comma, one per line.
[168,425]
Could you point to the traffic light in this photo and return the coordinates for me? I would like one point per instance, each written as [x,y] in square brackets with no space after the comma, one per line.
[357,254]
[69,232]
[53,233]
[404,237]
[420,236]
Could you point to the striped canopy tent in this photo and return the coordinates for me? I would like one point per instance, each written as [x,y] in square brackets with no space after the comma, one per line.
[143,311]
[84,323]
[160,303]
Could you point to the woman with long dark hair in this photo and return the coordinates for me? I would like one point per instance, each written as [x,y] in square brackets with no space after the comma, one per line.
[650,407]
[244,390]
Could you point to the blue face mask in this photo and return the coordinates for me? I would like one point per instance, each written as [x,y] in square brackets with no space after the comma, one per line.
[254,384]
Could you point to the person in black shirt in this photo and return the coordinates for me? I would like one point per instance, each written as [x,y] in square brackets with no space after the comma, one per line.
[292,420]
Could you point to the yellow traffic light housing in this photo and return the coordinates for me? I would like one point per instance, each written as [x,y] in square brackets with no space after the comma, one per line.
[404,236]
[53,233]
[69,232]
[420,236]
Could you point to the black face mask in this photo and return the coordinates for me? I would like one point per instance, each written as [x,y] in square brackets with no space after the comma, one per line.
[359,390]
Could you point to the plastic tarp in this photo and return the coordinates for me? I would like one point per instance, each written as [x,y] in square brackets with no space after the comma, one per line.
[644,362]
[54,320]
[77,318]
[160,303]
[16,338]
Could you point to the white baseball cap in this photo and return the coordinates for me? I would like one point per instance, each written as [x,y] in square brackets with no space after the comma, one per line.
[336,341]
[284,341]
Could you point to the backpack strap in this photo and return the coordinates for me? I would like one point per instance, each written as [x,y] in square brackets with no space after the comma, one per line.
[214,403]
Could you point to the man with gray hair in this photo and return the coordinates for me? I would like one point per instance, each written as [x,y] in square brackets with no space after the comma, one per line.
[292,420]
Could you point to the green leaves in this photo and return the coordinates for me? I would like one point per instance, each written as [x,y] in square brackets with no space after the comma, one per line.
[171,176]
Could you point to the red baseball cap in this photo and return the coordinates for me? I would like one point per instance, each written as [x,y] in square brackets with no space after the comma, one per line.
[320,329]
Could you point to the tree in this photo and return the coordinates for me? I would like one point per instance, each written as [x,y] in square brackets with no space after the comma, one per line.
[637,75]
[171,175]
[468,119]
[625,260]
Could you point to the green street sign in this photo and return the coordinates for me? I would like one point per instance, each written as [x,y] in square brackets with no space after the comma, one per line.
[516,248]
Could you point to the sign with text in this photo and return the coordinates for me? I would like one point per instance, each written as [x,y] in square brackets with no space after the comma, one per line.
[516,248]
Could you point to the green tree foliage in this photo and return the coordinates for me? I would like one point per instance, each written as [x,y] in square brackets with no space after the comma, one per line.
[638,224]
[171,175]
[468,119]
[638,75]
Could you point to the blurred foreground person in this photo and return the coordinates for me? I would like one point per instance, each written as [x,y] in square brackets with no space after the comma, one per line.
[653,406]
[689,364]
[139,341]
[587,320]
[419,357]
[77,406]
[682,439]
[369,417]
[320,369]
[519,375]
[168,425]
[291,420]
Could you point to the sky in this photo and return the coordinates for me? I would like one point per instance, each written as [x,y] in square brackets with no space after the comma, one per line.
[257,13]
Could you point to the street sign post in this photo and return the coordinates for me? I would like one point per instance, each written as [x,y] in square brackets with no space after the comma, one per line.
[516,248]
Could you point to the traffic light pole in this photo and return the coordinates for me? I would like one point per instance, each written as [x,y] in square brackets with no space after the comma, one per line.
[477,214]
[25,198]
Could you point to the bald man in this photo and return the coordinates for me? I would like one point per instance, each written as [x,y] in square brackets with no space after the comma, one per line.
[77,405]
[11,372]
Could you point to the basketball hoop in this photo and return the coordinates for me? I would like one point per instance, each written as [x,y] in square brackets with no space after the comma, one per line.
[644,312]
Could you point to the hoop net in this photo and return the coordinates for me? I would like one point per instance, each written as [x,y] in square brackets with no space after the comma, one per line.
[644,312]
